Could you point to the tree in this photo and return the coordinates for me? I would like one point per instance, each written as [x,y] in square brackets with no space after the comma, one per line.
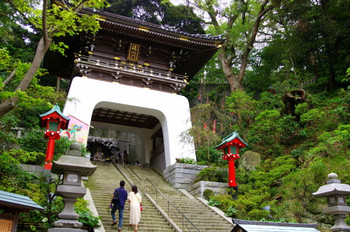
[159,12]
[15,38]
[54,20]
[241,22]
[317,35]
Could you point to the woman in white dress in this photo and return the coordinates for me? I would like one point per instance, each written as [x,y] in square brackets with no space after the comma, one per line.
[134,198]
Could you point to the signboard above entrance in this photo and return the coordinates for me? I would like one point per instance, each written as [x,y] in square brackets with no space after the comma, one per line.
[134,52]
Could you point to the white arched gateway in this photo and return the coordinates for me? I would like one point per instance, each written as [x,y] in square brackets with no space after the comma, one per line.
[171,110]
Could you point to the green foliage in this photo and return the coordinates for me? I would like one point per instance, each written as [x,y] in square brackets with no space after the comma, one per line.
[265,132]
[215,174]
[213,202]
[6,62]
[314,118]
[208,193]
[208,155]
[258,214]
[160,12]
[32,102]
[269,101]
[291,132]
[205,118]
[309,51]
[42,191]
[38,187]
[186,160]
[231,212]
[333,144]
[244,108]
[12,177]
[7,140]
[34,141]
[25,157]
[85,215]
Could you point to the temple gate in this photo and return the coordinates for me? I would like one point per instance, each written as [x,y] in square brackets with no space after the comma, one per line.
[126,77]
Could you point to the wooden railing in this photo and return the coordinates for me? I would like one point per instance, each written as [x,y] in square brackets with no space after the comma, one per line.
[117,65]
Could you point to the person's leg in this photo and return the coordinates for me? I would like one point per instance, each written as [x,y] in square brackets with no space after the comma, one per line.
[113,213]
[121,213]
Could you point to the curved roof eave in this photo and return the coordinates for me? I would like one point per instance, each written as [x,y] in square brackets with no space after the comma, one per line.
[153,29]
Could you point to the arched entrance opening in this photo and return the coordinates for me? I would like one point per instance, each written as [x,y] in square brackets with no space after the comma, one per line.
[132,138]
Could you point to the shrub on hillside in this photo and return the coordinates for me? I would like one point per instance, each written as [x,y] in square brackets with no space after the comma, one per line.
[215,174]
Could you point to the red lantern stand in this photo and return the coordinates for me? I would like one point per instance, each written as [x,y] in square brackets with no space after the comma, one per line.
[230,145]
[54,121]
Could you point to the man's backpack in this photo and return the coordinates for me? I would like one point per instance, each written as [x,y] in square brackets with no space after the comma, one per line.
[115,199]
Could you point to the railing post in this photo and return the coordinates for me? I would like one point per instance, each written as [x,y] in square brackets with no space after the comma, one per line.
[183,224]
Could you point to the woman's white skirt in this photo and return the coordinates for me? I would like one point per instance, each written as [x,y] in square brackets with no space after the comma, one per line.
[135,213]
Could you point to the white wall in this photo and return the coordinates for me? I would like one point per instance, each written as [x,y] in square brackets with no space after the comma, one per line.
[170,109]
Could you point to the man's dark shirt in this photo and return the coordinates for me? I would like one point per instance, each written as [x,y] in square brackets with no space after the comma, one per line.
[123,195]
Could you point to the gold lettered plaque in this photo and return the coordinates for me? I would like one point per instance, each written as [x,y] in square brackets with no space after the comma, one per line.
[5,225]
[134,52]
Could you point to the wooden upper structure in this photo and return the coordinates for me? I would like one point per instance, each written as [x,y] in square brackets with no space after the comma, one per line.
[138,53]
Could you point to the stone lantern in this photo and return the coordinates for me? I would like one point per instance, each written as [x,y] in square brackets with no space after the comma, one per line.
[230,146]
[73,167]
[336,193]
[53,121]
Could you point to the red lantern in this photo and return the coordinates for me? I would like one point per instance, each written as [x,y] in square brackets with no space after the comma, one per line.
[230,145]
[53,121]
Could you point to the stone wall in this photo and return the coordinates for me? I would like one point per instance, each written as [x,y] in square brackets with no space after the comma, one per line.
[34,168]
[198,188]
[182,175]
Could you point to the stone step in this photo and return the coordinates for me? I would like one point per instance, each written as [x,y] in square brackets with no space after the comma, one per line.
[199,214]
[102,189]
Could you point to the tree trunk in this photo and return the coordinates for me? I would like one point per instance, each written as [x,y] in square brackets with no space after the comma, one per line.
[58,83]
[235,83]
[333,59]
[41,50]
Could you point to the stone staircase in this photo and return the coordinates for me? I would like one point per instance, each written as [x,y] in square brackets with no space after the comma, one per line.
[201,216]
[102,184]
[156,206]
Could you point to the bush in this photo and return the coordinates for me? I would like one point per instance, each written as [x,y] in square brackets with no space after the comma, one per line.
[34,141]
[223,202]
[85,215]
[24,157]
[208,193]
[258,214]
[231,212]
[186,161]
[215,174]
[208,155]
